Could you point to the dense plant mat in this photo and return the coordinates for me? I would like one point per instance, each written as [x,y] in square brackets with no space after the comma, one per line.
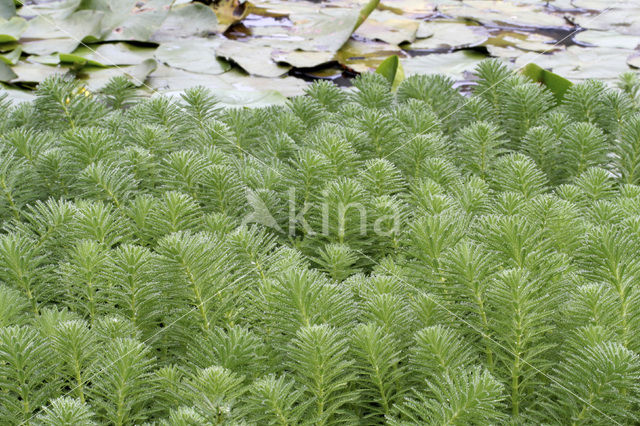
[364,257]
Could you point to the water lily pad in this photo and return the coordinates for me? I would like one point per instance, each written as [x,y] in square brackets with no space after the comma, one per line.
[510,13]
[16,96]
[623,21]
[253,56]
[52,9]
[7,9]
[35,73]
[134,19]
[608,39]
[96,78]
[12,29]
[12,57]
[6,73]
[366,56]
[409,7]
[197,55]
[579,63]
[229,12]
[531,42]
[451,64]
[185,21]
[449,35]
[302,59]
[634,60]
[109,54]
[388,27]
[44,35]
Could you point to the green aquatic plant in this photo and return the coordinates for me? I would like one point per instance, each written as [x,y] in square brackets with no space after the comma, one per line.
[374,256]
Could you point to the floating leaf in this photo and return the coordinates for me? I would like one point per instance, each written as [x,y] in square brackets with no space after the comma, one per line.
[46,36]
[186,21]
[6,73]
[35,73]
[50,9]
[623,21]
[252,56]
[197,55]
[96,78]
[12,29]
[229,12]
[634,60]
[556,84]
[362,57]
[608,39]
[450,35]
[134,19]
[7,9]
[580,63]
[12,57]
[302,59]
[16,96]
[510,13]
[388,27]
[451,64]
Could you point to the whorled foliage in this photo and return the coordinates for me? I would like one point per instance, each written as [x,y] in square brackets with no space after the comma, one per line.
[363,257]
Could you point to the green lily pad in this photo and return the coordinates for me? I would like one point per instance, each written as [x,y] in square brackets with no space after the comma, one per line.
[16,96]
[196,55]
[44,35]
[12,57]
[302,59]
[186,21]
[109,54]
[7,9]
[579,63]
[634,60]
[6,73]
[250,99]
[388,27]
[623,21]
[502,12]
[450,35]
[52,9]
[167,79]
[453,64]
[35,73]
[96,78]
[608,39]
[362,57]
[134,19]
[556,84]
[531,42]
[12,29]
[253,56]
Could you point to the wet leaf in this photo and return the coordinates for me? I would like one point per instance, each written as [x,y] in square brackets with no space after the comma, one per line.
[302,59]
[579,63]
[197,55]
[451,64]
[12,57]
[412,8]
[96,78]
[608,39]
[252,56]
[556,84]
[450,35]
[634,60]
[366,56]
[502,12]
[6,73]
[523,41]
[52,9]
[229,12]
[35,73]
[623,21]
[134,19]
[388,27]
[12,29]
[7,9]
[16,96]
[186,21]
[44,35]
